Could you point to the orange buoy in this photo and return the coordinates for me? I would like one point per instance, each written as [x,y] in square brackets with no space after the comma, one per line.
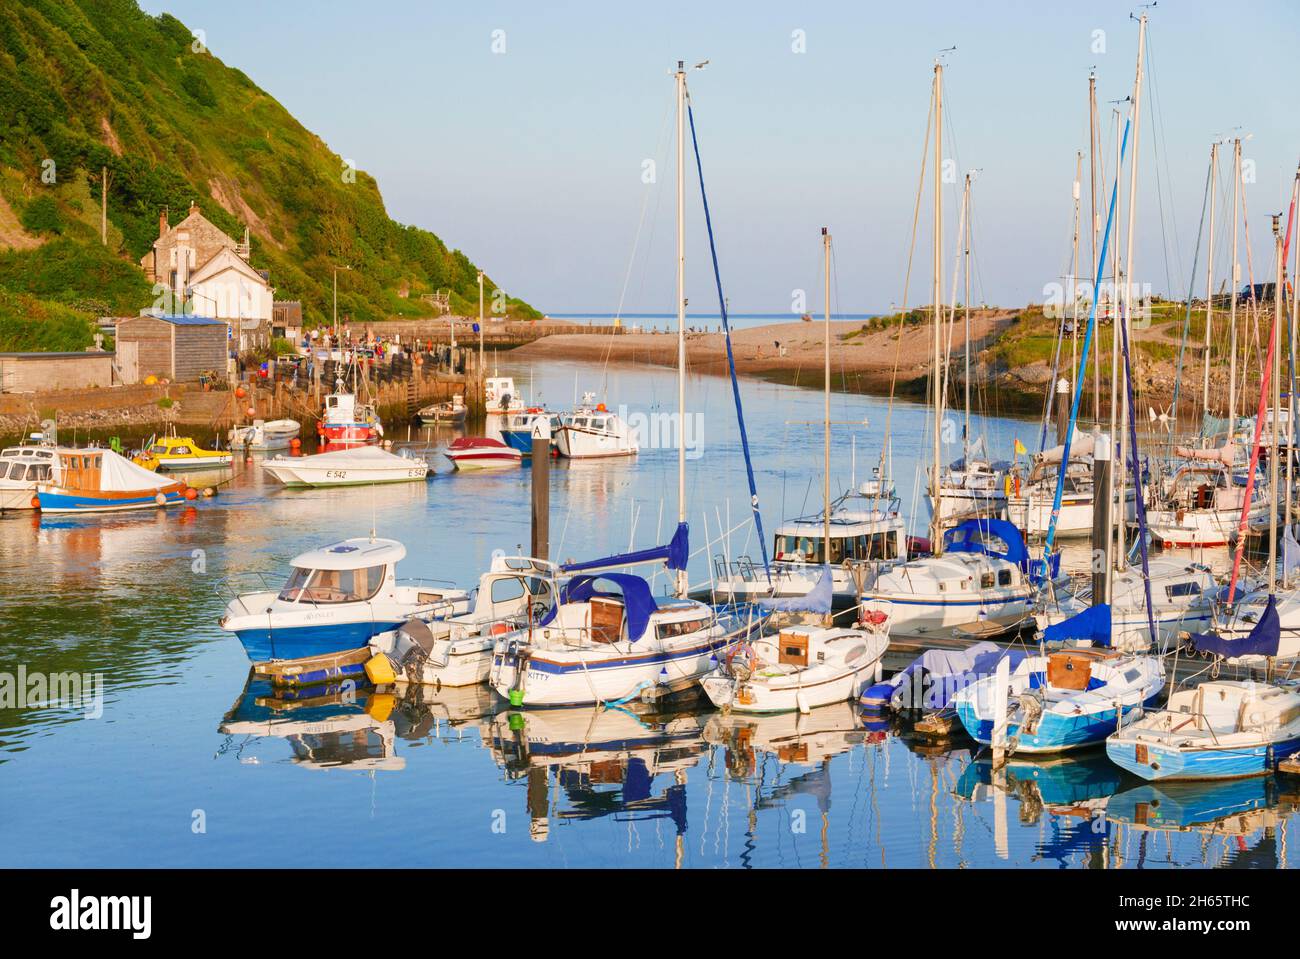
[36,502]
[191,494]
[295,443]
[251,412]
[240,392]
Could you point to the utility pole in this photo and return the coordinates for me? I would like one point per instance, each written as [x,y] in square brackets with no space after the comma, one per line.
[480,323]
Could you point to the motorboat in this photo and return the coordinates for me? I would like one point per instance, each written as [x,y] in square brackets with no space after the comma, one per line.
[1061,700]
[451,412]
[591,432]
[336,598]
[345,422]
[520,428]
[101,481]
[500,396]
[798,669]
[1201,505]
[1221,729]
[174,453]
[457,650]
[981,577]
[359,466]
[264,436]
[23,469]
[481,453]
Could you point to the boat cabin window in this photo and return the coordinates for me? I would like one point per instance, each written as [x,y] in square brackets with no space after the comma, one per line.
[579,421]
[181,451]
[1183,589]
[506,590]
[332,585]
[683,628]
[986,580]
[808,549]
[1004,577]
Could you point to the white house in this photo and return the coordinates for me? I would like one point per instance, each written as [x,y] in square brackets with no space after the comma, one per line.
[229,289]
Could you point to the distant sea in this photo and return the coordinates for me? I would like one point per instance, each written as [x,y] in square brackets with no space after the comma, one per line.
[698,320]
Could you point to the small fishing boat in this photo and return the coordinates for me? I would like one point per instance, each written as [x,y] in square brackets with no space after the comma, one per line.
[1061,700]
[981,577]
[520,428]
[361,466]
[101,481]
[335,598]
[345,422]
[457,650]
[500,396]
[591,432]
[176,453]
[23,469]
[481,453]
[450,412]
[799,669]
[264,436]
[1221,729]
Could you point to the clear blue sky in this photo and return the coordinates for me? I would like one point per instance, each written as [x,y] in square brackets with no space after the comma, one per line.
[530,160]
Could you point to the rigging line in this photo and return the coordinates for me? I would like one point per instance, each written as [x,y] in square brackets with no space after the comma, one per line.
[907,278]
[1187,318]
[731,360]
[1158,141]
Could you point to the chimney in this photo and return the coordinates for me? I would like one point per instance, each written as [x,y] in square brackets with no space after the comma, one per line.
[194,208]
[162,223]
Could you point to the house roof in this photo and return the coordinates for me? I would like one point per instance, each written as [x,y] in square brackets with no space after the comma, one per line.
[223,260]
[184,320]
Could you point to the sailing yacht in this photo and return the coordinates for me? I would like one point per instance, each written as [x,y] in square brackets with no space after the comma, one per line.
[1201,504]
[1029,507]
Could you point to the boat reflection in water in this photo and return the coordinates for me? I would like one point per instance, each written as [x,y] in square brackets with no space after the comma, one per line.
[605,762]
[1233,811]
[1074,792]
[351,725]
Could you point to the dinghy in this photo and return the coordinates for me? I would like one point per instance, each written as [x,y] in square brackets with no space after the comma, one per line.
[264,436]
[930,682]
[1062,700]
[360,466]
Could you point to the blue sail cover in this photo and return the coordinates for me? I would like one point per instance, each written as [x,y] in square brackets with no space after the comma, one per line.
[632,590]
[816,600]
[674,556]
[992,537]
[1262,641]
[1093,624]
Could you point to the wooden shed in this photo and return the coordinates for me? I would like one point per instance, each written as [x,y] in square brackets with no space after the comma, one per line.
[179,348]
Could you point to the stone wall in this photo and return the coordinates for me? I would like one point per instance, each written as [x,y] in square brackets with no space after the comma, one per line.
[28,373]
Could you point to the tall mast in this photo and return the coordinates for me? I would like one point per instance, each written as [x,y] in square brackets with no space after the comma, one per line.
[936,525]
[966,216]
[1209,281]
[1275,342]
[1095,231]
[826,423]
[1128,284]
[681,307]
[1116,529]
[1232,303]
[1074,266]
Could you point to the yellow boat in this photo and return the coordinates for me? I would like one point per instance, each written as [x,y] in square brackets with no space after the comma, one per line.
[180,453]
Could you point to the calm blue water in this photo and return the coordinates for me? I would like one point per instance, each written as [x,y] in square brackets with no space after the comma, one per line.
[453,780]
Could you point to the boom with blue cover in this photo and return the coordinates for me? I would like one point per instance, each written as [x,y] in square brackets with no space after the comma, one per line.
[674,556]
[1262,641]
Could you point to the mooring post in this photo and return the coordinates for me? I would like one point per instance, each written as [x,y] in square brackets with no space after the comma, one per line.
[541,546]
[1062,408]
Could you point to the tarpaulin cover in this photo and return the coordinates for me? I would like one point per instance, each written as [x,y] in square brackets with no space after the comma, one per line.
[117,474]
[1262,641]
[944,672]
[983,536]
[632,590]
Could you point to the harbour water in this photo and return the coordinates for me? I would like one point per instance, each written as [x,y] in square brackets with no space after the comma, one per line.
[179,764]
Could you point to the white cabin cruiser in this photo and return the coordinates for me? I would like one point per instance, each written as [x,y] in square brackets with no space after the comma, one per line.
[867,536]
[22,469]
[1200,505]
[982,576]
[335,599]
[500,396]
[592,432]
[457,650]
[971,488]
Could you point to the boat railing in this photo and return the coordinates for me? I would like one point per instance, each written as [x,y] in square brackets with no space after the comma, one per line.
[235,586]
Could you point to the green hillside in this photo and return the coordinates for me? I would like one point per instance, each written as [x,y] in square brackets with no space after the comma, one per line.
[86,84]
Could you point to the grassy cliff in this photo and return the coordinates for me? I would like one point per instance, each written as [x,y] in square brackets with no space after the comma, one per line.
[88,84]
